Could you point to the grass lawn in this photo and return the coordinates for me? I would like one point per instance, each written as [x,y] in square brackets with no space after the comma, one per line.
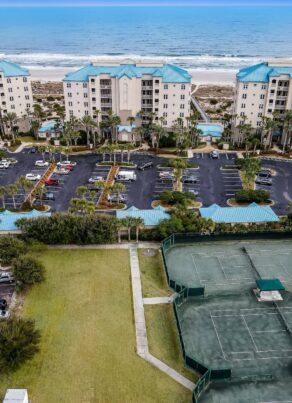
[153,278]
[30,139]
[163,338]
[87,355]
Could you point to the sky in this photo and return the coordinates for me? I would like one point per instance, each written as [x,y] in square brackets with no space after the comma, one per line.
[29,3]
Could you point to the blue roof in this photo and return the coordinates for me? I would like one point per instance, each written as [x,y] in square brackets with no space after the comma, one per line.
[211,129]
[261,73]
[126,128]
[8,218]
[232,215]
[150,217]
[10,69]
[168,72]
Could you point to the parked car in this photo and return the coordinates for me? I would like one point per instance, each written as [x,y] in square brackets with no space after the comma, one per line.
[214,154]
[3,304]
[52,182]
[116,198]
[64,166]
[46,196]
[41,163]
[4,165]
[194,192]
[62,171]
[33,177]
[95,179]
[128,176]
[166,174]
[73,163]
[264,174]
[189,179]
[263,181]
[6,277]
[7,161]
[145,166]
[33,150]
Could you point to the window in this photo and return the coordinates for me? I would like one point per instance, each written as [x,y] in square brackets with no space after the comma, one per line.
[245,86]
[92,80]
[9,80]
[156,81]
[85,95]
[242,106]
[71,113]
[70,103]
[94,108]
[9,89]
[183,87]
[272,92]
[182,106]
[271,101]
[258,124]
[264,86]
[86,104]
[86,113]
[93,99]
[165,106]
[241,122]
[92,89]
[12,106]
[269,110]
[261,106]
[156,91]
[262,96]
[25,79]
[68,85]
[165,96]
[242,113]
[69,94]
[181,115]
[27,97]
[244,96]
[11,99]
[165,87]
[28,105]
[26,89]
[274,81]
[165,114]
[260,114]
[84,85]
[182,97]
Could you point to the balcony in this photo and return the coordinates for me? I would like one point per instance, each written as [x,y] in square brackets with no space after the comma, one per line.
[106,104]
[281,97]
[147,96]
[105,86]
[147,87]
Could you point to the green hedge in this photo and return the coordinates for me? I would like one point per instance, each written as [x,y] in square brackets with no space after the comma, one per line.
[249,196]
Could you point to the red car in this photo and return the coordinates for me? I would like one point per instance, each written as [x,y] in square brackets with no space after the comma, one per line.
[51,182]
[67,167]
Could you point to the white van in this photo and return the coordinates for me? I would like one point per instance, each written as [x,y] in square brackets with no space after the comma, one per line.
[126,176]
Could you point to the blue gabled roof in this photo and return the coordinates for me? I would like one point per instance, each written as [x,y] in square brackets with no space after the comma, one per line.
[234,215]
[261,73]
[8,218]
[10,69]
[168,72]
[150,217]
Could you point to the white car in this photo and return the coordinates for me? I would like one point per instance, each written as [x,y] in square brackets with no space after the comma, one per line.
[73,163]
[95,179]
[41,163]
[62,171]
[33,177]
[5,161]
[4,165]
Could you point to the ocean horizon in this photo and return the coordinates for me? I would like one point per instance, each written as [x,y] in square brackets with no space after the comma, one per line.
[196,38]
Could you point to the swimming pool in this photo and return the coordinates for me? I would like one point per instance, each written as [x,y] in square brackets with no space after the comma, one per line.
[211,129]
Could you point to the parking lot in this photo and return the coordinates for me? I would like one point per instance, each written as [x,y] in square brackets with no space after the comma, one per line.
[281,189]
[213,184]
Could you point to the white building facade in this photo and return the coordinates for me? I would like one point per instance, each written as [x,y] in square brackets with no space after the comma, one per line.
[262,90]
[127,88]
[15,89]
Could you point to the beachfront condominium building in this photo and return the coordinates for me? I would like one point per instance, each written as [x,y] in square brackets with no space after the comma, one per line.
[262,90]
[15,89]
[127,88]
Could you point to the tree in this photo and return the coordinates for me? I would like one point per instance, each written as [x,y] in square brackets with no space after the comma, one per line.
[35,126]
[129,147]
[249,168]
[10,120]
[287,129]
[39,112]
[118,188]
[179,165]
[27,270]
[40,191]
[12,191]
[3,192]
[269,126]
[81,191]
[88,123]
[25,184]
[138,223]
[10,248]
[19,342]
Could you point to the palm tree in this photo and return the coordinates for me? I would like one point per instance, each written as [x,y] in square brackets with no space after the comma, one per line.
[129,148]
[131,120]
[12,191]
[3,192]
[90,207]
[140,132]
[39,112]
[10,120]
[42,150]
[25,184]
[138,223]
[119,188]
[269,126]
[75,136]
[81,191]
[35,126]
[40,191]
[88,123]
[2,125]
[178,165]
[287,128]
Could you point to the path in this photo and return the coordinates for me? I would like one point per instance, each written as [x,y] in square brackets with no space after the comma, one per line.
[200,109]
[159,300]
[140,324]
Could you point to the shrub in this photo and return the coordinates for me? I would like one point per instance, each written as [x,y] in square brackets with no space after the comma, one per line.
[10,248]
[19,341]
[174,198]
[69,228]
[213,101]
[27,271]
[167,141]
[249,196]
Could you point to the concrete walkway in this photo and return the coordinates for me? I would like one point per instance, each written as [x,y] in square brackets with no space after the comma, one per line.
[199,108]
[140,324]
[126,245]
[159,300]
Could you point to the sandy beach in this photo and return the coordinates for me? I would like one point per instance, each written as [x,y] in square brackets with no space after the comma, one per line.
[211,77]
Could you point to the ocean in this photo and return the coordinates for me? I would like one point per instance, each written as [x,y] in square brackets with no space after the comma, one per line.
[197,38]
